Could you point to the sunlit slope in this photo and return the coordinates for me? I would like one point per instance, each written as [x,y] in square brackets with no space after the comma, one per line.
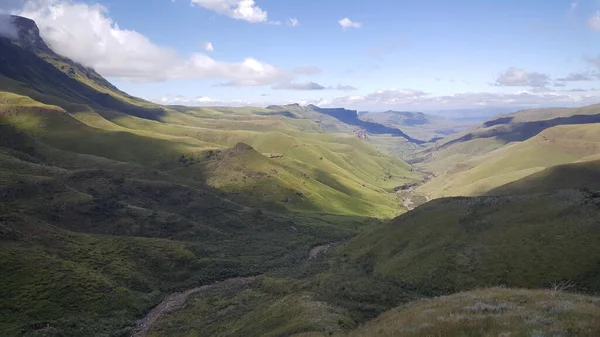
[80,112]
[89,244]
[322,169]
[580,175]
[499,131]
[554,146]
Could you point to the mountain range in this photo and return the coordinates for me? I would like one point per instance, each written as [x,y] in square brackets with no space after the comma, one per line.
[121,217]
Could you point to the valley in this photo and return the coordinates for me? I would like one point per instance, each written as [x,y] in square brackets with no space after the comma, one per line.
[124,217]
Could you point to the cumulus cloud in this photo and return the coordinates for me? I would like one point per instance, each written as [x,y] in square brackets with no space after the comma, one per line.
[298,86]
[246,10]
[208,46]
[594,22]
[307,70]
[515,77]
[347,23]
[85,33]
[293,22]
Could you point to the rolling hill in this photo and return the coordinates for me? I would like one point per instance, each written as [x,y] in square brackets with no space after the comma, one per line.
[108,202]
[493,260]
[277,221]
[554,146]
[499,131]
[331,166]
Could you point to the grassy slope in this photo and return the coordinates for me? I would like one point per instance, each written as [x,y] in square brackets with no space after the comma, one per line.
[554,146]
[101,216]
[462,243]
[89,250]
[499,131]
[577,175]
[491,312]
[330,167]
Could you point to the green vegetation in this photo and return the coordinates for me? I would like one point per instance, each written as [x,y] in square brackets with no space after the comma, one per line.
[583,175]
[275,221]
[558,145]
[463,243]
[491,312]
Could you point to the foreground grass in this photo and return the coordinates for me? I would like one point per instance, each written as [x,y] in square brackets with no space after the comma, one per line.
[491,312]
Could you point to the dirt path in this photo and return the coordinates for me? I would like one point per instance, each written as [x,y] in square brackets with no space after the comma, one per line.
[175,302]
[318,250]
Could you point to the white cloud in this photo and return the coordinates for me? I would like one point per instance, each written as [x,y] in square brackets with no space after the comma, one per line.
[515,77]
[208,46]
[246,10]
[87,35]
[347,23]
[594,22]
[293,22]
[200,101]
[416,100]
[307,70]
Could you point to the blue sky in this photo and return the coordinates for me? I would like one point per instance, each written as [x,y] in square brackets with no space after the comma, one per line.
[406,55]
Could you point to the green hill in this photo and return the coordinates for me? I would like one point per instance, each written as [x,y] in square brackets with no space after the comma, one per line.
[463,243]
[546,242]
[499,131]
[335,172]
[490,312]
[108,203]
[558,145]
[578,175]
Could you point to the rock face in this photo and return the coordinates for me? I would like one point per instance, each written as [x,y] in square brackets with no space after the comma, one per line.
[25,32]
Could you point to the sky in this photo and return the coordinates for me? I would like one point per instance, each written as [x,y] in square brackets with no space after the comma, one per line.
[428,55]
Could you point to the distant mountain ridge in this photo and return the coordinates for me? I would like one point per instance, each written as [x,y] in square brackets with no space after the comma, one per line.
[417,124]
[345,116]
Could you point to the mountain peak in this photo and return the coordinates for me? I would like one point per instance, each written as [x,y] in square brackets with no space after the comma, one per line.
[24,31]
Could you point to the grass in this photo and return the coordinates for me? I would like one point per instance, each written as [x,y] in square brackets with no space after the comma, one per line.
[558,145]
[109,203]
[265,307]
[338,174]
[581,175]
[471,242]
[491,312]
